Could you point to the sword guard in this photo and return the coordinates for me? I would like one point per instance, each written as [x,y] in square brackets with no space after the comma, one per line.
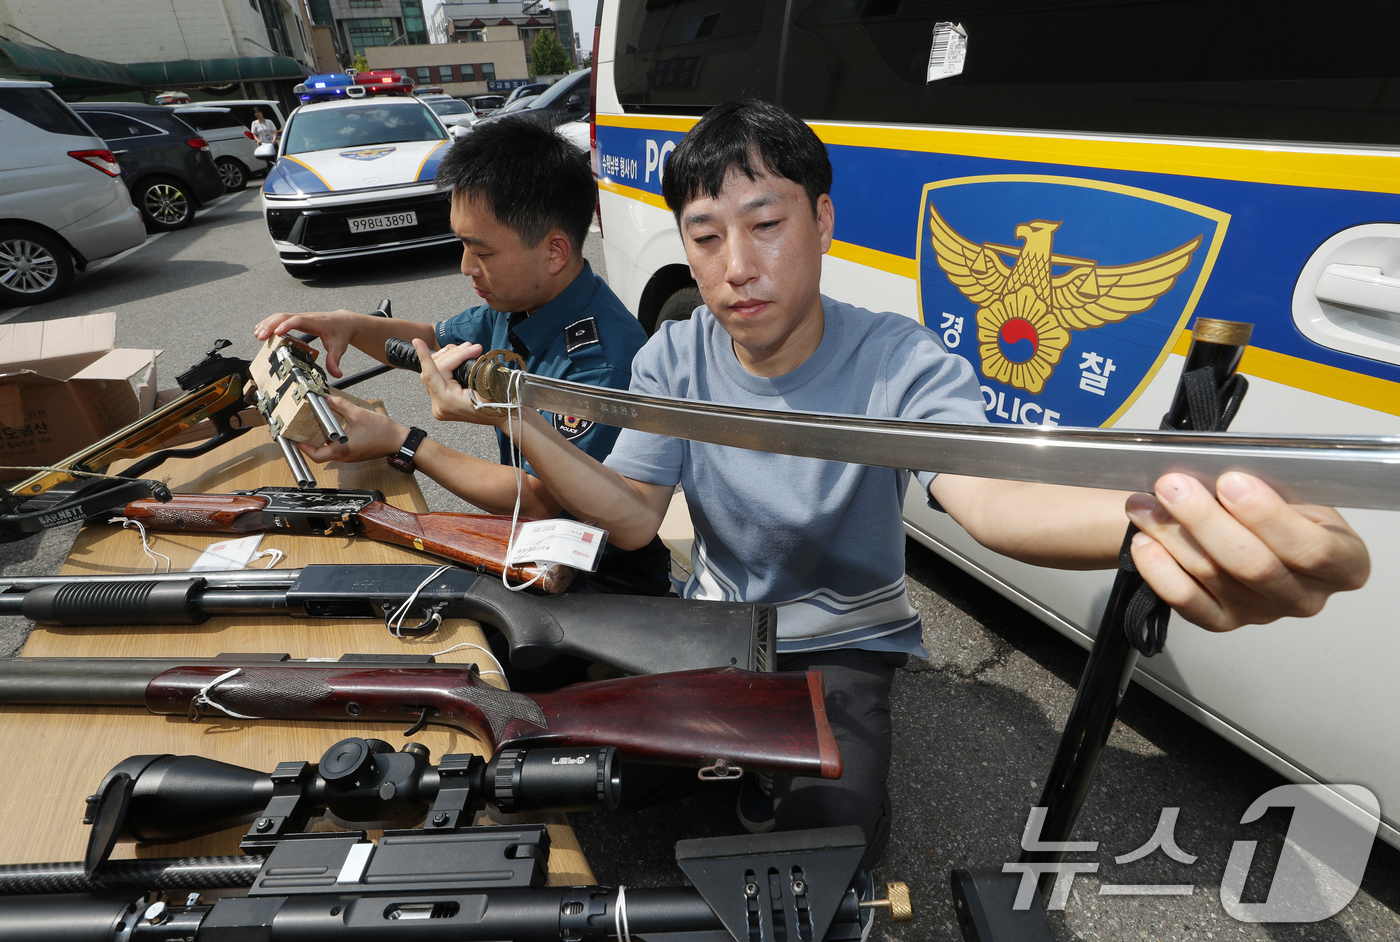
[489,379]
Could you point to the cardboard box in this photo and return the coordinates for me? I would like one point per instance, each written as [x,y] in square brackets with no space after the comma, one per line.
[63,387]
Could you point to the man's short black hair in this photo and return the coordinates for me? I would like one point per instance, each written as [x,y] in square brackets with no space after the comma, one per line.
[532,178]
[729,136]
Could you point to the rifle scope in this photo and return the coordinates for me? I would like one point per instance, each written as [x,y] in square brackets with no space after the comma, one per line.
[361,781]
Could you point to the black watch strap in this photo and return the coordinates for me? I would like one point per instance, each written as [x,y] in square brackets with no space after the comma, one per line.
[402,460]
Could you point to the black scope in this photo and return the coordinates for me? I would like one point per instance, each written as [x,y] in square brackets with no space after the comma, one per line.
[360,781]
[400,353]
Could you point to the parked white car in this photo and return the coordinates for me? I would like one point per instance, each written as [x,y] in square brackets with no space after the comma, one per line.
[230,141]
[62,198]
[355,178]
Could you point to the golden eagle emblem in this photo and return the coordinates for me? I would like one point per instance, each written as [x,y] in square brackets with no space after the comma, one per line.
[1025,312]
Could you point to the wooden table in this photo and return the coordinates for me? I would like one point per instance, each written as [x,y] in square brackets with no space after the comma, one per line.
[58,756]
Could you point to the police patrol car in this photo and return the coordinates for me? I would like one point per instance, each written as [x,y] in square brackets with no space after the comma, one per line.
[1057,189]
[355,178]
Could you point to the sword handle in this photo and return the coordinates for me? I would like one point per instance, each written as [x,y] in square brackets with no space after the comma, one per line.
[490,378]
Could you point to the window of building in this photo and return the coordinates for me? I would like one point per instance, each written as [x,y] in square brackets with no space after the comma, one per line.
[444,74]
[472,35]
[366,3]
[373,32]
[487,71]
[468,73]
[423,75]
[415,27]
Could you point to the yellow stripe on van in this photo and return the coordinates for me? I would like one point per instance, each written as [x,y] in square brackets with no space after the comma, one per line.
[873,258]
[1369,392]
[631,192]
[1373,172]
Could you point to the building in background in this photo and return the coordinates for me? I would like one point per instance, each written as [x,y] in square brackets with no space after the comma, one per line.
[491,65]
[212,48]
[357,26]
[157,30]
[468,22]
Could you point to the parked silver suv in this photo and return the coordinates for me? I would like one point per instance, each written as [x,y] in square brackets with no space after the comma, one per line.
[62,200]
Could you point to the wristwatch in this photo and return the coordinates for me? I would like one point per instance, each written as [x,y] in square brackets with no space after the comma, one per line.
[402,460]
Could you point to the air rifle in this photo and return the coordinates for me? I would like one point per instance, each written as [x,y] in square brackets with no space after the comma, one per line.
[473,884]
[477,541]
[722,719]
[636,634]
[212,389]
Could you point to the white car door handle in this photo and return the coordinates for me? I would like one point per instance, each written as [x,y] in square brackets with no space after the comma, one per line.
[1359,286]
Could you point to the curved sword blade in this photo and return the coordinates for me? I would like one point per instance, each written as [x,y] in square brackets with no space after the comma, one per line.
[1348,471]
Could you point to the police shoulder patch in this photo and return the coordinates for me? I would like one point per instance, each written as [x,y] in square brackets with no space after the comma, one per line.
[571,427]
[581,334]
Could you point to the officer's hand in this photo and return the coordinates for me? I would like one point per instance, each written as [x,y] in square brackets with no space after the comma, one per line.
[1244,558]
[335,328]
[369,435]
[451,403]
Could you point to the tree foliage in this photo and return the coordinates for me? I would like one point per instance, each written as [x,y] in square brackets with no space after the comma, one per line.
[361,63]
[547,57]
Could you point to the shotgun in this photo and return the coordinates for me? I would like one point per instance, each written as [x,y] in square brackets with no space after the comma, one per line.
[636,634]
[477,541]
[722,719]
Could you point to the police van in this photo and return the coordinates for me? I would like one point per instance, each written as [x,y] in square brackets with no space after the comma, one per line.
[1165,160]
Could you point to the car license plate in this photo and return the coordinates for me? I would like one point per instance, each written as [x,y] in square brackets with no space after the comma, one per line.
[390,221]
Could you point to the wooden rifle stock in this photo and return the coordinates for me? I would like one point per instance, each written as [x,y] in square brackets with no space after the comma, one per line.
[475,541]
[715,717]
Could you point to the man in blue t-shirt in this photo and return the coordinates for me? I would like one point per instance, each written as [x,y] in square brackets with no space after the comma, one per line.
[749,187]
[522,202]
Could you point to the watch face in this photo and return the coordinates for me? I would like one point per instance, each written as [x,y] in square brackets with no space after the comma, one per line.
[400,463]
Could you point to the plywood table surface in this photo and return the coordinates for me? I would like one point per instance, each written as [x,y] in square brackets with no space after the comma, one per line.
[60,755]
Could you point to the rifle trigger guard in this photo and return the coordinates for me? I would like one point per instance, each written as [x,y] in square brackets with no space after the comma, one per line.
[432,620]
[419,723]
[721,771]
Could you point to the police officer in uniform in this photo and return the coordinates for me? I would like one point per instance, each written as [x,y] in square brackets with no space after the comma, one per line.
[522,202]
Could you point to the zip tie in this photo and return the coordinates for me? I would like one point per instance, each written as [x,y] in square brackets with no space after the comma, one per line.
[145,547]
[468,644]
[512,407]
[620,928]
[276,554]
[202,699]
[395,625]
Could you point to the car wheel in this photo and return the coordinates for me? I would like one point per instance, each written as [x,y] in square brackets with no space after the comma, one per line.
[165,205]
[233,173]
[679,306]
[34,267]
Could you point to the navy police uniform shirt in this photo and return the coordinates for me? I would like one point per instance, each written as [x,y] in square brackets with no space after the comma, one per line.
[584,335]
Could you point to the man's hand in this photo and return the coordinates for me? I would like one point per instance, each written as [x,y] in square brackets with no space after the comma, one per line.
[370,435]
[335,328]
[1246,558]
[451,403]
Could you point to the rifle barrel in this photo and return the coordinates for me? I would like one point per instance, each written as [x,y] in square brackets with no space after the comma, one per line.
[122,681]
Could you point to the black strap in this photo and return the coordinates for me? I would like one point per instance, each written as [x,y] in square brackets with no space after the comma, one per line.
[1212,409]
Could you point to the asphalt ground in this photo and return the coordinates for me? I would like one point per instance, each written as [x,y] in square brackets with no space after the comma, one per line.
[975,725]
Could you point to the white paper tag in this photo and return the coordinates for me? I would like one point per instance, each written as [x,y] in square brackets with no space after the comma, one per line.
[945,59]
[566,542]
[227,554]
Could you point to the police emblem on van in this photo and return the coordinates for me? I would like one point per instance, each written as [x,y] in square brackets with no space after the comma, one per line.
[1069,321]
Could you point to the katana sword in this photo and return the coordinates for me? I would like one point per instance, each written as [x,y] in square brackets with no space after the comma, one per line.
[1343,471]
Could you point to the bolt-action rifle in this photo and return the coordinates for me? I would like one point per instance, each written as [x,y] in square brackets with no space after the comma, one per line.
[484,883]
[636,634]
[477,541]
[721,719]
[212,389]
